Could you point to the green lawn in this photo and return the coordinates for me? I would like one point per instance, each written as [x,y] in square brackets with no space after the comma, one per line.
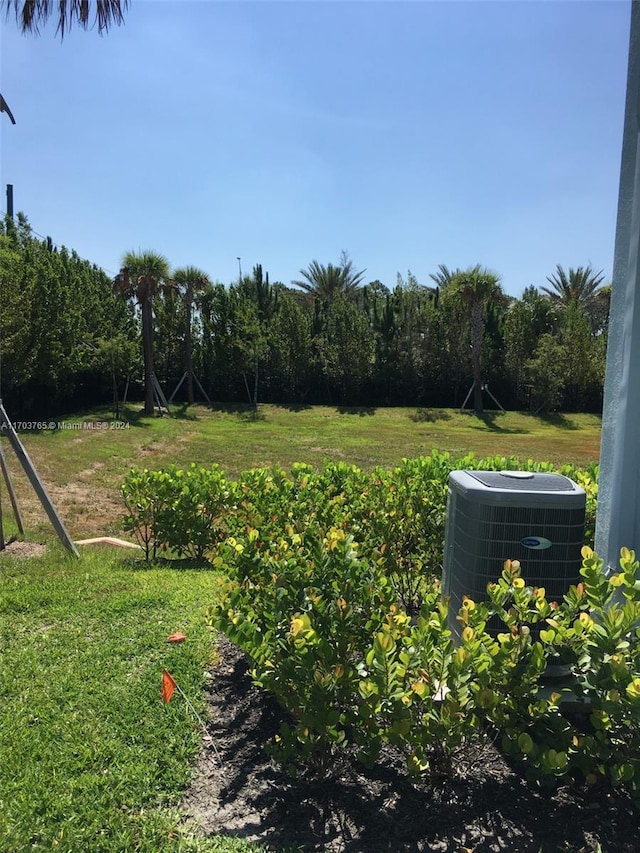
[92,759]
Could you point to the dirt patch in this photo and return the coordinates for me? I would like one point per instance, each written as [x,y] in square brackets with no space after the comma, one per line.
[486,808]
[23,549]
[87,509]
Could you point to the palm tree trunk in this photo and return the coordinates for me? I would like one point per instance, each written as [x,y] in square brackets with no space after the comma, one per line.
[477,330]
[188,301]
[147,349]
[255,386]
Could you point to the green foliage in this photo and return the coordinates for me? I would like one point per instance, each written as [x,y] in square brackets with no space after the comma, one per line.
[180,511]
[338,342]
[326,636]
[328,282]
[598,639]
[304,609]
[57,307]
[600,627]
[343,347]
[415,691]
[332,592]
[397,516]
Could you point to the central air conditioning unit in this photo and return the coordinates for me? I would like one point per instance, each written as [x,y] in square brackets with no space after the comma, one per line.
[493,516]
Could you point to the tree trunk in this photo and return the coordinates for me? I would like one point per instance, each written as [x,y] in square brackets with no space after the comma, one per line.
[147,349]
[255,386]
[477,330]
[187,347]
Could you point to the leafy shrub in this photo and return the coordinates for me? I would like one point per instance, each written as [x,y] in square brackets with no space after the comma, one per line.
[415,691]
[354,640]
[509,684]
[397,516]
[180,511]
[325,634]
[598,637]
[142,495]
[600,627]
[304,610]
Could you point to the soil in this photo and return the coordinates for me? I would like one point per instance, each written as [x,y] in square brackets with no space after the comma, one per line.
[17,548]
[487,807]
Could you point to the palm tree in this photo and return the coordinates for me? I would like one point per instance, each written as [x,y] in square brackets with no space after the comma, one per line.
[32,14]
[577,286]
[142,276]
[326,282]
[190,281]
[476,288]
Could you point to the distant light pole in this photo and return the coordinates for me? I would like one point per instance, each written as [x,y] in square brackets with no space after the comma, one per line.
[239,272]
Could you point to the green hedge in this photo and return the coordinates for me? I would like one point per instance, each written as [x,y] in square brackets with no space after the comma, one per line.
[331,587]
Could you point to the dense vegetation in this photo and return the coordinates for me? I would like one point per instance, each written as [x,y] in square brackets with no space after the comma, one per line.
[329,339]
[333,592]
[64,335]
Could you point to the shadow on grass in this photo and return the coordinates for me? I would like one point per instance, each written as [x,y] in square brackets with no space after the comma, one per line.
[491,421]
[295,407]
[137,417]
[184,564]
[244,411]
[555,419]
[430,416]
[362,411]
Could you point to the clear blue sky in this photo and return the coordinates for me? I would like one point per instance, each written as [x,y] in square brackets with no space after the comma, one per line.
[410,134]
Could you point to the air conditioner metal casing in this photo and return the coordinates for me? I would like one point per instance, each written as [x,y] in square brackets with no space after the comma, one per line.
[493,516]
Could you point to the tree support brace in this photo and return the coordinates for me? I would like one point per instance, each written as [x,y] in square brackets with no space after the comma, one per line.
[36,482]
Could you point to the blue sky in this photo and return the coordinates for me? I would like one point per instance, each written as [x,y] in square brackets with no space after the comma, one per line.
[410,134]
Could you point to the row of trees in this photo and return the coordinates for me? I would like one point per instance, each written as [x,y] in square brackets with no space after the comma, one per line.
[331,338]
[71,335]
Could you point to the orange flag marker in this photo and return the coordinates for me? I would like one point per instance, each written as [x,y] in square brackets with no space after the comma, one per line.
[168,686]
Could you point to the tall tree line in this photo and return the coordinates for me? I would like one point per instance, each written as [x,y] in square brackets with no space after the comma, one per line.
[64,336]
[70,333]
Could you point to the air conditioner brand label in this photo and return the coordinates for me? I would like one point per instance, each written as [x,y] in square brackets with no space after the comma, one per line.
[536,543]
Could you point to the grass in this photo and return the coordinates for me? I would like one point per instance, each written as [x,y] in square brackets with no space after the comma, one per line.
[83,468]
[92,758]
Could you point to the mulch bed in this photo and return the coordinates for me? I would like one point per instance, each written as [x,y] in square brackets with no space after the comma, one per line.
[487,807]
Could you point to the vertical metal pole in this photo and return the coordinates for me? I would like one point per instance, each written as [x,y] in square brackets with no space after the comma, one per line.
[618,517]
[10,201]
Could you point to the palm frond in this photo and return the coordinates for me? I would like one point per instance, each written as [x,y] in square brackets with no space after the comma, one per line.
[580,285]
[4,108]
[325,282]
[142,275]
[191,277]
[444,276]
[32,14]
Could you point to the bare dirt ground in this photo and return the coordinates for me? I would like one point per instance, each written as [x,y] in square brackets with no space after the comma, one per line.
[486,808]
[23,549]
